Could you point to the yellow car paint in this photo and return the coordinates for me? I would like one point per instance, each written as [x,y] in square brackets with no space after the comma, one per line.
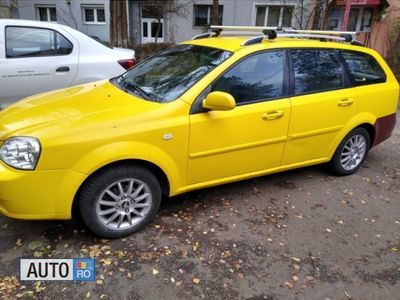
[85,128]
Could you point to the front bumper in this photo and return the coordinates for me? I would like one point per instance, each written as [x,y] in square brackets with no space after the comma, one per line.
[38,194]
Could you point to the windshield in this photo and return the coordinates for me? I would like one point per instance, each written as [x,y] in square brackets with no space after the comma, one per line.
[170,73]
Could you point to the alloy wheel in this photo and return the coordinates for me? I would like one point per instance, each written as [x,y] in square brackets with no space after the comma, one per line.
[124,204]
[353,152]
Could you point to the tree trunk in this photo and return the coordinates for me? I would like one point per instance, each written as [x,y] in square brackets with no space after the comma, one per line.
[215,12]
[158,30]
[320,11]
[118,24]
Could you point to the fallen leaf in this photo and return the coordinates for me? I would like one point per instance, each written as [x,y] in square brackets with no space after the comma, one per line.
[196,280]
[309,278]
[296,259]
[38,254]
[155,272]
[35,245]
[106,261]
[289,284]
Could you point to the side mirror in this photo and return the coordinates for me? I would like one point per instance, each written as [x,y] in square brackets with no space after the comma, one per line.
[219,101]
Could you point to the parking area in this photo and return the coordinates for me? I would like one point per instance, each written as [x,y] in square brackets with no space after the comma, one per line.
[300,234]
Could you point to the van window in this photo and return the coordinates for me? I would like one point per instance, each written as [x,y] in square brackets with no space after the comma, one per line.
[363,68]
[316,70]
[33,42]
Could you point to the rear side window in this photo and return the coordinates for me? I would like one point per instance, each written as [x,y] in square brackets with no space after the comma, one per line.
[255,78]
[316,70]
[363,68]
[34,42]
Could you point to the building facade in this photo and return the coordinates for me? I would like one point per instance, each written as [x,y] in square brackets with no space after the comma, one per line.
[178,20]
[183,19]
[372,19]
[89,16]
[8,9]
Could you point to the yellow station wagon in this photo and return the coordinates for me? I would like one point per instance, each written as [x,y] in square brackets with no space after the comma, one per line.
[209,111]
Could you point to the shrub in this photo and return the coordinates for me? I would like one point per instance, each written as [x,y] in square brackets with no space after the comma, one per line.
[143,51]
[393,53]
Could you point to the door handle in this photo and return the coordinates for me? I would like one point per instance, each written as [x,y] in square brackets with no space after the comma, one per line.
[62,69]
[346,102]
[272,115]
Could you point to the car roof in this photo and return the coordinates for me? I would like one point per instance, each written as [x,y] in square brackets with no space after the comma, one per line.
[235,43]
[19,22]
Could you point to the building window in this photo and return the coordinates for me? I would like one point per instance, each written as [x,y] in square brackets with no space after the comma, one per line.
[334,19]
[47,14]
[360,19]
[94,15]
[203,15]
[277,16]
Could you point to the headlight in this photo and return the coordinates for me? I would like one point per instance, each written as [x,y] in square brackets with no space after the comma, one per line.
[20,152]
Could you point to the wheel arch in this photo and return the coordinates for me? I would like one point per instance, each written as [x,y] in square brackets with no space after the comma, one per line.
[371,131]
[364,120]
[156,170]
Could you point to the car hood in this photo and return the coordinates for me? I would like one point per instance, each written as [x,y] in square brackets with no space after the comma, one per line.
[90,105]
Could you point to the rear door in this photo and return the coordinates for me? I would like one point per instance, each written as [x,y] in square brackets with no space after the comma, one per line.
[35,60]
[323,101]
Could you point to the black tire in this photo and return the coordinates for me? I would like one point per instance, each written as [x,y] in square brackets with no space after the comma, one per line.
[335,163]
[96,187]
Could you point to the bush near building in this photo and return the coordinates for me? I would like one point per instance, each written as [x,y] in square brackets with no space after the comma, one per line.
[143,51]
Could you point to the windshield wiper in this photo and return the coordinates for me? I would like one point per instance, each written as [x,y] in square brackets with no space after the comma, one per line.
[133,86]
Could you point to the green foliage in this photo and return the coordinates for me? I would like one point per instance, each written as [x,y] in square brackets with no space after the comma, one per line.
[393,53]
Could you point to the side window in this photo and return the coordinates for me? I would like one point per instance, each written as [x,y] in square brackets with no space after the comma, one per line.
[34,42]
[364,68]
[259,77]
[316,70]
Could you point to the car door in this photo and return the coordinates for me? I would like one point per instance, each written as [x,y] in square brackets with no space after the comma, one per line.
[36,60]
[249,138]
[323,101]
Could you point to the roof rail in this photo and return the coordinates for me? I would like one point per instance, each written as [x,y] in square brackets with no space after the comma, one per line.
[273,32]
[280,29]
[315,36]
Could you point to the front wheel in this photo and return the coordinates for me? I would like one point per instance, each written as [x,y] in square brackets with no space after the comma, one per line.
[119,201]
[351,153]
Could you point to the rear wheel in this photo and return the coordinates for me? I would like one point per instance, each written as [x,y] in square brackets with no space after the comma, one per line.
[351,153]
[119,201]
